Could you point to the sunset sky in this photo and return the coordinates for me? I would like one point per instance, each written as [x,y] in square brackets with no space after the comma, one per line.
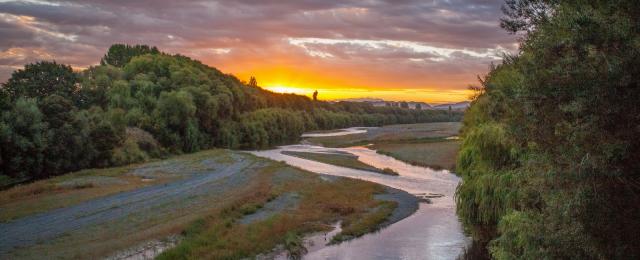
[412,50]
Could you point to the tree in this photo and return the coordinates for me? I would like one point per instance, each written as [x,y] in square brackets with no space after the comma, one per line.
[41,79]
[95,83]
[120,54]
[175,116]
[105,138]
[315,95]
[550,143]
[253,82]
[64,136]
[23,140]
[57,110]
[526,15]
[404,104]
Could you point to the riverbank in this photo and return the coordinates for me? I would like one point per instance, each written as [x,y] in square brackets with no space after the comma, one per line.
[253,203]
[438,153]
[428,145]
[340,159]
[223,203]
[432,232]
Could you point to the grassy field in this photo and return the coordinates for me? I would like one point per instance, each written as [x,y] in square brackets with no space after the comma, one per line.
[44,195]
[208,216]
[219,236]
[418,144]
[340,159]
[438,154]
[392,134]
[74,188]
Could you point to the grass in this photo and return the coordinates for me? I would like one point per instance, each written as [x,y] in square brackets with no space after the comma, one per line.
[209,224]
[43,195]
[6,181]
[437,155]
[343,160]
[418,144]
[294,244]
[389,171]
[392,133]
[220,236]
[366,224]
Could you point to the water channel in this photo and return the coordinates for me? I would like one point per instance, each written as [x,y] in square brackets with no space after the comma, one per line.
[432,232]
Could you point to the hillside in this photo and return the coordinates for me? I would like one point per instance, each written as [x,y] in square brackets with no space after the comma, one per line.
[141,103]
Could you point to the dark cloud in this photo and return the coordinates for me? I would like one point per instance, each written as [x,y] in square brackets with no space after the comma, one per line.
[240,33]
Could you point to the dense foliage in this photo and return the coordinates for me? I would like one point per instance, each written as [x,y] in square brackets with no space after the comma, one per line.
[141,103]
[551,155]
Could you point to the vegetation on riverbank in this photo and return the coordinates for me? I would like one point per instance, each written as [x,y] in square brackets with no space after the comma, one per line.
[220,236]
[141,103]
[436,154]
[340,159]
[209,220]
[400,133]
[550,153]
[423,144]
[77,187]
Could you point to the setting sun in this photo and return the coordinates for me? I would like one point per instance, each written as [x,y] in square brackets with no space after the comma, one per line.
[287,90]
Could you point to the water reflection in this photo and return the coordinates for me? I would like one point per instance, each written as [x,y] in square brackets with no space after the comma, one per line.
[433,232]
[340,132]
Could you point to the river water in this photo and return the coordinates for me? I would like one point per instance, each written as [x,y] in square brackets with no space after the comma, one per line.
[432,232]
[346,131]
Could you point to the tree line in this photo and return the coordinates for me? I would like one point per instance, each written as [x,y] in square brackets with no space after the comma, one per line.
[140,103]
[551,154]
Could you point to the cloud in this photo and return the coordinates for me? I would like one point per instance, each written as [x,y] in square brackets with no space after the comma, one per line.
[406,43]
[389,49]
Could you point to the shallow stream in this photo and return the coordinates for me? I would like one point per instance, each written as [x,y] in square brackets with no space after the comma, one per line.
[432,232]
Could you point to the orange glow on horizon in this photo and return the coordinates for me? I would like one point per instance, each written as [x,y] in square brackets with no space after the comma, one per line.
[334,86]
[425,95]
[288,73]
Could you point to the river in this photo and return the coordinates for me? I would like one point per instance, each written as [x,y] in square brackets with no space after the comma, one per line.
[432,232]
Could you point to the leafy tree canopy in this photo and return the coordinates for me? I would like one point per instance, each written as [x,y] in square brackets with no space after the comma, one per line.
[120,54]
[41,79]
[550,160]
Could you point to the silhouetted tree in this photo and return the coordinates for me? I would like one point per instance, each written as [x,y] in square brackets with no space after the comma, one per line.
[315,95]
[253,82]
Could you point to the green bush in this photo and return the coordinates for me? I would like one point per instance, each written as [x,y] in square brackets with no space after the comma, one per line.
[549,159]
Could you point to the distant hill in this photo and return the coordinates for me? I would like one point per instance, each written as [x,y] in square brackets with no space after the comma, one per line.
[378,102]
[459,106]
[454,106]
[360,100]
